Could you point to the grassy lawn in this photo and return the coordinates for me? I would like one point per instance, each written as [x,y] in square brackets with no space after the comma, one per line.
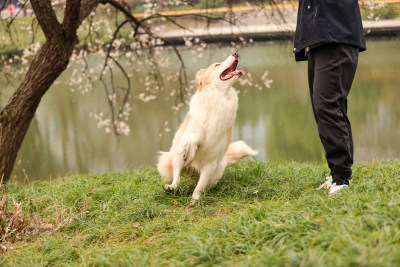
[259,214]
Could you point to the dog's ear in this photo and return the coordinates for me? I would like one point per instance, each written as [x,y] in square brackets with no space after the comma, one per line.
[200,79]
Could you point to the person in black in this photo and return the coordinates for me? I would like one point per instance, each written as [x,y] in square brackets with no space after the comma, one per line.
[330,35]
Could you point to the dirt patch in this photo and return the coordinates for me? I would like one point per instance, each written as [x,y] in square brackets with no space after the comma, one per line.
[17,224]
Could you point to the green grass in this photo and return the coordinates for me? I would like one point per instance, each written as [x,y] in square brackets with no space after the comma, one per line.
[127,219]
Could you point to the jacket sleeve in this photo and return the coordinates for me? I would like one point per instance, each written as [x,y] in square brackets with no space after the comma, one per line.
[301,55]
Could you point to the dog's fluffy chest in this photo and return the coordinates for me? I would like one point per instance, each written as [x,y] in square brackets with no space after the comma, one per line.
[214,110]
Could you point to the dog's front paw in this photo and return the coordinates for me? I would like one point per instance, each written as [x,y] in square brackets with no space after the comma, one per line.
[170,187]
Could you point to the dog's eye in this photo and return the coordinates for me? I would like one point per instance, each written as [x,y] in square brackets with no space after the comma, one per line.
[216,65]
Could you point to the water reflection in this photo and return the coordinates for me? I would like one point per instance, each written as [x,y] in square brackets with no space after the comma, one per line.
[277,121]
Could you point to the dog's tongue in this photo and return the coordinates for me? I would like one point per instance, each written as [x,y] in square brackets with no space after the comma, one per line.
[233,73]
[238,72]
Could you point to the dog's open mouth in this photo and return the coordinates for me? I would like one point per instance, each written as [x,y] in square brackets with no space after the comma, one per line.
[231,72]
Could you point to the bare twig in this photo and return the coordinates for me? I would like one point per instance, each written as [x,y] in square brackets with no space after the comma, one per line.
[13,18]
[4,4]
[111,46]
[128,88]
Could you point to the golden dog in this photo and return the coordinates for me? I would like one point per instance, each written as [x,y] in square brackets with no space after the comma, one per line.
[203,141]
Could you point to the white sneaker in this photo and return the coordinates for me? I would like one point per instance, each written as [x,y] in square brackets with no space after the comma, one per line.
[327,184]
[334,188]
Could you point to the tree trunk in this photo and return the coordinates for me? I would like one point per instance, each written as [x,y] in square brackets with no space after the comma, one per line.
[51,60]
[15,118]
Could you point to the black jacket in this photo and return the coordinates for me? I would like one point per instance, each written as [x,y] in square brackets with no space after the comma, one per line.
[328,21]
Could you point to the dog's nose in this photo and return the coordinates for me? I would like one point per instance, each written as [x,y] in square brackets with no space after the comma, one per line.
[235,55]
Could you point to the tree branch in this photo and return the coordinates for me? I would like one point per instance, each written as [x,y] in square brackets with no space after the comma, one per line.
[87,6]
[47,18]
[4,4]
[71,19]
[111,46]
[16,15]
[124,10]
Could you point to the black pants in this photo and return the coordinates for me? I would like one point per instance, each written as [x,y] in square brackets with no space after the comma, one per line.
[331,69]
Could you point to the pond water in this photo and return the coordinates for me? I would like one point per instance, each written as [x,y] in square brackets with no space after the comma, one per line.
[277,121]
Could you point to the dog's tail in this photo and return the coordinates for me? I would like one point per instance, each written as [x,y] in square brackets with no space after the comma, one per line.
[237,151]
[164,165]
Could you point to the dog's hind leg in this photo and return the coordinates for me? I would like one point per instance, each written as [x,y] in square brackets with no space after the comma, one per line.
[164,165]
[206,176]
[218,174]
[177,165]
